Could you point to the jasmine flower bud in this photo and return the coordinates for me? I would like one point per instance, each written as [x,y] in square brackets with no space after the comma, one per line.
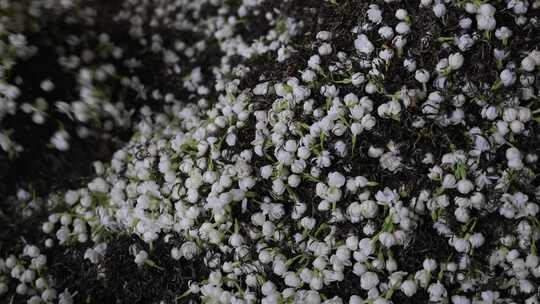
[465,23]
[357,78]
[403,28]
[308,76]
[429,265]
[524,114]
[422,76]
[350,99]
[368,122]
[352,242]
[532,261]
[48,294]
[324,35]
[503,33]
[316,283]
[528,64]
[517,127]
[31,251]
[408,287]
[368,209]
[401,14]
[236,240]
[514,158]
[409,64]
[439,10]
[374,14]
[508,77]
[437,292]
[268,228]
[343,254]
[462,214]
[175,253]
[319,263]
[363,45]
[457,299]
[314,62]
[449,181]
[465,186]
[387,239]
[354,299]
[265,257]
[266,171]
[294,180]
[141,257]
[278,187]
[455,61]
[476,240]
[21,289]
[336,179]
[306,275]
[535,55]
[268,287]
[325,49]
[485,17]
[461,245]
[526,286]
[386,32]
[60,140]
[303,153]
[386,54]
[425,3]
[291,279]
[369,280]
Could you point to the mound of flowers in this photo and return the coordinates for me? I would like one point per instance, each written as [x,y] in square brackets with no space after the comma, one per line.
[337,152]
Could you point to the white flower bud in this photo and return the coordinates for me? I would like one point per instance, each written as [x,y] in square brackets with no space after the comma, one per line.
[401,14]
[369,280]
[476,240]
[422,76]
[508,77]
[357,78]
[291,279]
[408,287]
[21,289]
[387,239]
[517,127]
[336,179]
[439,10]
[141,257]
[457,299]
[374,14]
[368,209]
[528,64]
[324,35]
[449,181]
[352,242]
[429,265]
[462,245]
[325,49]
[462,214]
[294,180]
[465,186]
[403,28]
[436,292]
[513,153]
[455,61]
[363,45]
[48,294]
